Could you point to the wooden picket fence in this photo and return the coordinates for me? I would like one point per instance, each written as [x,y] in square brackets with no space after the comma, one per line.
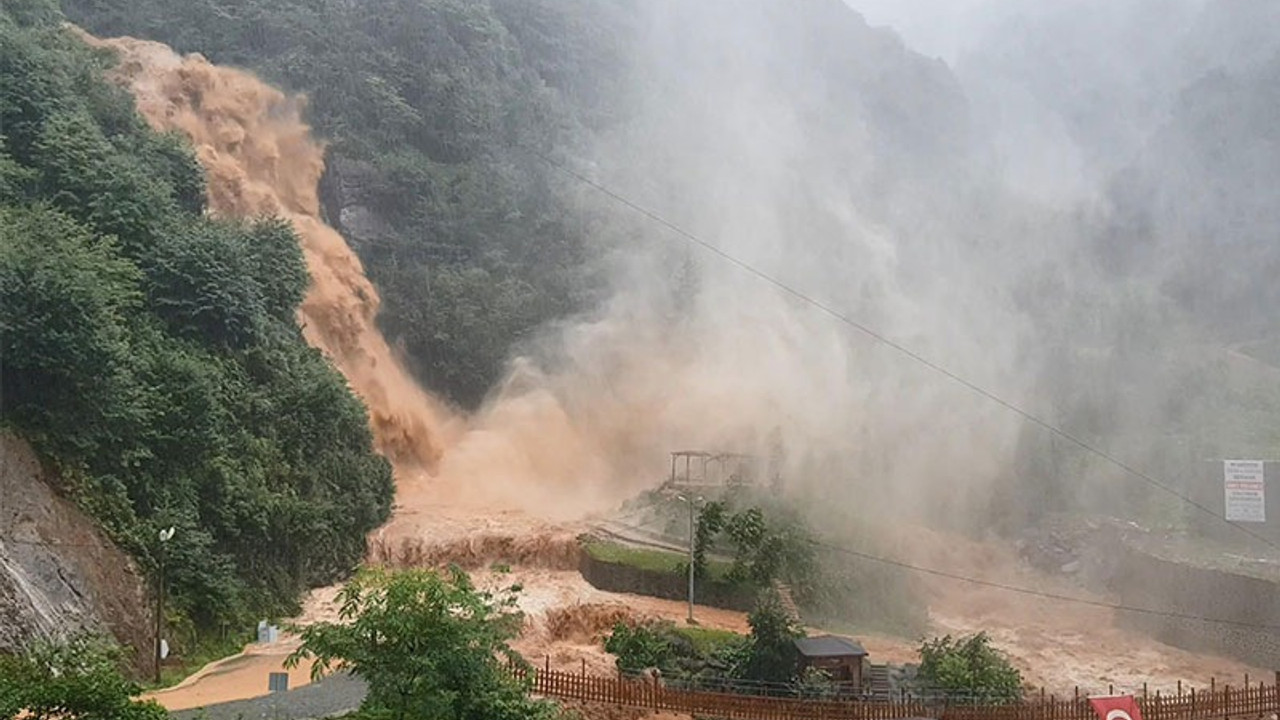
[1256,701]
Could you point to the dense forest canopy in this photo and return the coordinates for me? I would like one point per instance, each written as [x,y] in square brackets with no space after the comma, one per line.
[153,354]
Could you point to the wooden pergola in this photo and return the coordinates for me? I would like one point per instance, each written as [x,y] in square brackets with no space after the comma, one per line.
[703,469]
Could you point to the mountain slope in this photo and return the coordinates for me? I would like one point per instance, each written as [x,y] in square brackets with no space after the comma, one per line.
[152,355]
[59,573]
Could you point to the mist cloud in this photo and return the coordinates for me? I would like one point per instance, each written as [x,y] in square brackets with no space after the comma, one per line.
[968,211]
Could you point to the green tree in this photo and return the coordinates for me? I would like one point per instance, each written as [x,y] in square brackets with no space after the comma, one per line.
[430,645]
[33,12]
[77,679]
[65,297]
[771,654]
[969,668]
[764,550]
[711,521]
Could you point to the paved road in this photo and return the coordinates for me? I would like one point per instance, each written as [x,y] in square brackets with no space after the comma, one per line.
[337,694]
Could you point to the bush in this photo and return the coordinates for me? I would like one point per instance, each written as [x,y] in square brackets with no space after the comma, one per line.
[969,668]
[78,679]
[698,655]
[640,647]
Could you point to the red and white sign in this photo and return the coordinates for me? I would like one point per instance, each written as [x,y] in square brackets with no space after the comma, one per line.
[1246,487]
[1116,708]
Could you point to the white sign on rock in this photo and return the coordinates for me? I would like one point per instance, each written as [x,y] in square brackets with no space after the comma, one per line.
[1246,486]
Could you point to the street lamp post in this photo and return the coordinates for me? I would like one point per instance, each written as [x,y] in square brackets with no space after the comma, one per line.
[165,536]
[692,500]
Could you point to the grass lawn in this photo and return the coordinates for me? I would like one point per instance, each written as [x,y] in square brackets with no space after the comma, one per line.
[649,559]
[899,619]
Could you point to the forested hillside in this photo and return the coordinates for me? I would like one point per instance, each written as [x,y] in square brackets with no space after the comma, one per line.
[152,354]
[431,108]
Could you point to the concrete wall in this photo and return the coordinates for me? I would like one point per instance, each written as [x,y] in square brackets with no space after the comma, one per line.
[1139,579]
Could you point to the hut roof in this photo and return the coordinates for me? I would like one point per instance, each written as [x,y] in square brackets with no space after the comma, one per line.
[829,646]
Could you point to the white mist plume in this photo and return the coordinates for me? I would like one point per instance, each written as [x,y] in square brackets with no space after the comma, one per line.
[730,137]
[958,213]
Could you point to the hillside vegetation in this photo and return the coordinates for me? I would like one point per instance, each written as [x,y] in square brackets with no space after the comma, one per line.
[431,108]
[152,354]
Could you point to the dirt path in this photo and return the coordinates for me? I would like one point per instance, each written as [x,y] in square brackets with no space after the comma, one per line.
[237,677]
[334,696]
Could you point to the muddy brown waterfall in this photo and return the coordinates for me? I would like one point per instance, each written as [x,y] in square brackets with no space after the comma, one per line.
[260,160]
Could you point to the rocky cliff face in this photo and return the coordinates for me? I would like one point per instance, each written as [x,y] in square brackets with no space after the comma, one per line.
[58,573]
[346,204]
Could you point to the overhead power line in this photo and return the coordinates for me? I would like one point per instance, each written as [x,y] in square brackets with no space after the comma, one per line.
[900,348]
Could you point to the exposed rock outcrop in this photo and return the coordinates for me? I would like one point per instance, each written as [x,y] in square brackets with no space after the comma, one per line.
[58,573]
[345,202]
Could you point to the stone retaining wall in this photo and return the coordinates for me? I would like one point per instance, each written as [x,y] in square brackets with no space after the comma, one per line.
[1139,579]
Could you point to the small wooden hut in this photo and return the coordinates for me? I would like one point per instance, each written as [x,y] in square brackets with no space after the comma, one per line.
[839,657]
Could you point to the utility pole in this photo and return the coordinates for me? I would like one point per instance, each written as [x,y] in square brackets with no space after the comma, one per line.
[165,536]
[692,537]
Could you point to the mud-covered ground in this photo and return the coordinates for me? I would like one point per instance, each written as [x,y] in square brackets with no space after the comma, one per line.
[1056,644]
[333,696]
